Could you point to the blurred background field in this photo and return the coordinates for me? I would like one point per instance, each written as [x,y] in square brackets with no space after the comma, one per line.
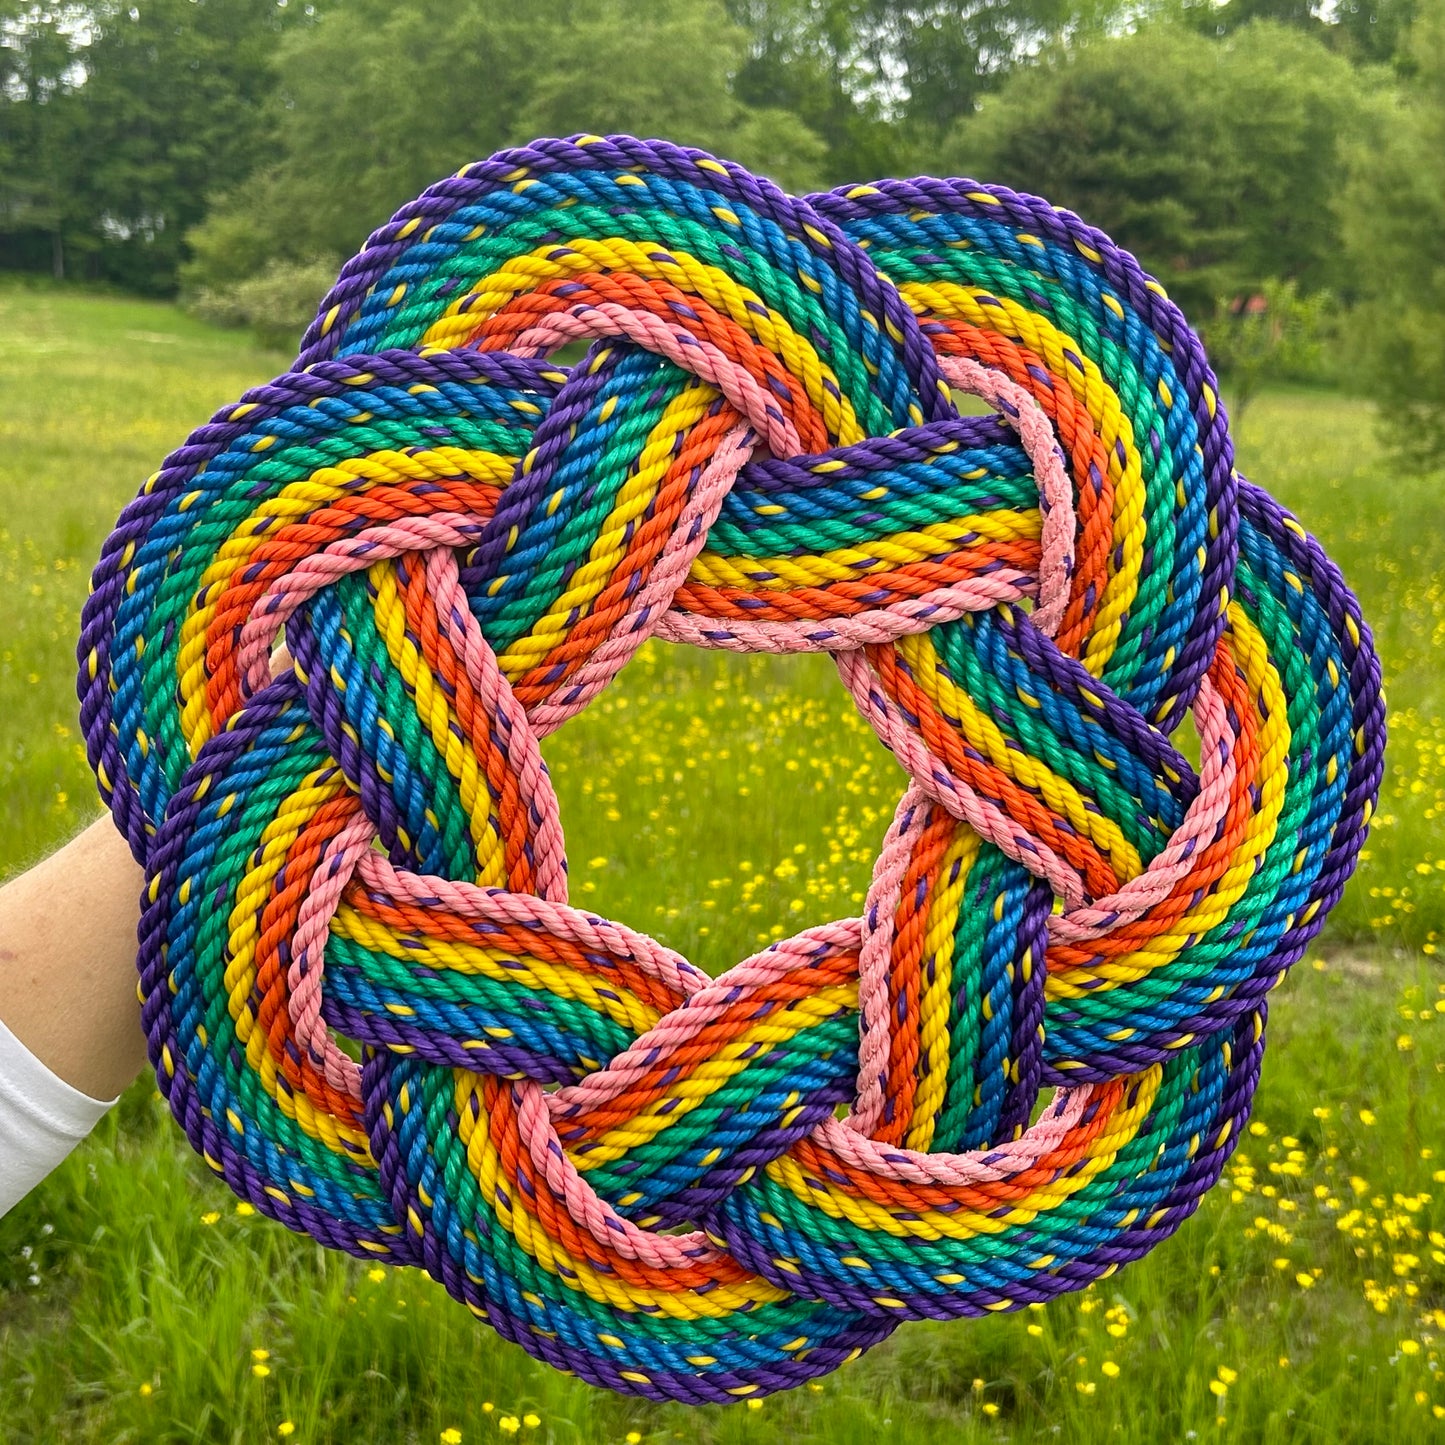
[179,180]
[716,801]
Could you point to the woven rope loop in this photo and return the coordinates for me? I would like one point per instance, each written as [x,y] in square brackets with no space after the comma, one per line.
[368,1000]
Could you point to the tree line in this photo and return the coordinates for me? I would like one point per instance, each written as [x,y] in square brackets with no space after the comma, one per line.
[1282,159]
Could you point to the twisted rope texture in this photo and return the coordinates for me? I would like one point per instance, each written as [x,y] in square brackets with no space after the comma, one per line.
[1032,1054]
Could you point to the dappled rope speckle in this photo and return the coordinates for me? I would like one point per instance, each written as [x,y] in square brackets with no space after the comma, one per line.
[368,1000]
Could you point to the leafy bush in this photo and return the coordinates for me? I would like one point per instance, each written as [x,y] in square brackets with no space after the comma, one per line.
[1393,213]
[277,304]
[1271,333]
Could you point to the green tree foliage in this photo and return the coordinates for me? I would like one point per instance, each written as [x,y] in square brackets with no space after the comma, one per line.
[38,76]
[1214,19]
[1375,29]
[173,106]
[1365,30]
[1213,161]
[947,54]
[117,119]
[879,81]
[1394,222]
[806,57]
[230,143]
[378,100]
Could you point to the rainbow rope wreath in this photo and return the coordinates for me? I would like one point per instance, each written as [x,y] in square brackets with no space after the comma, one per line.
[1045,1030]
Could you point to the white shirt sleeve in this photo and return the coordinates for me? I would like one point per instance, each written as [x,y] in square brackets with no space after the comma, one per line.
[42,1118]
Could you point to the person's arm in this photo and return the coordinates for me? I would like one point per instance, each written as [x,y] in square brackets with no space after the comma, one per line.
[70,1036]
[67,961]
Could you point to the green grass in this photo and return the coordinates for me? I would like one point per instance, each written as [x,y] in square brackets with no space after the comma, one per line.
[95,393]
[717,802]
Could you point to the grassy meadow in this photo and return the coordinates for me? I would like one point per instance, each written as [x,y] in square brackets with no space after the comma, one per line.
[717,802]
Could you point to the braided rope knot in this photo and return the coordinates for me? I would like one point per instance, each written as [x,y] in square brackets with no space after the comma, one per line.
[368,999]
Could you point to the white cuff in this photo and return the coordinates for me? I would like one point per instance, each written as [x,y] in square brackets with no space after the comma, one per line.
[42,1118]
